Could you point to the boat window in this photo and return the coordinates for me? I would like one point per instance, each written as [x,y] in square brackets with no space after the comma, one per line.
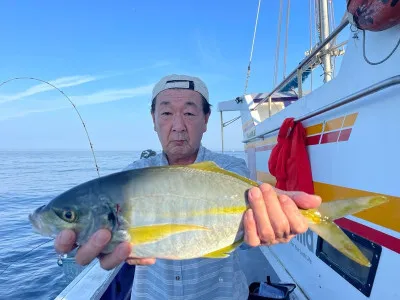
[359,276]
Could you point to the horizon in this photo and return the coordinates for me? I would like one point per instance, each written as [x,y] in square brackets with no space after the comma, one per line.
[101,150]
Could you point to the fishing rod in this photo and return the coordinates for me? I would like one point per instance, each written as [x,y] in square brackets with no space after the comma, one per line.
[91,147]
[74,106]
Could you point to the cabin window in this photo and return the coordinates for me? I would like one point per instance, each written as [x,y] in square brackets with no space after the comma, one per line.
[359,276]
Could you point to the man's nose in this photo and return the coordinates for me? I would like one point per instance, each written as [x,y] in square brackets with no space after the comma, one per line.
[178,123]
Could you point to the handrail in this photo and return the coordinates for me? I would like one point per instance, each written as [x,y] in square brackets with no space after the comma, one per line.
[355,96]
[305,61]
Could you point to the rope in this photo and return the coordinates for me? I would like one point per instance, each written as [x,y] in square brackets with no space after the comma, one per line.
[278,43]
[332,15]
[230,121]
[286,38]
[83,123]
[316,11]
[311,37]
[383,60]
[333,26]
[252,48]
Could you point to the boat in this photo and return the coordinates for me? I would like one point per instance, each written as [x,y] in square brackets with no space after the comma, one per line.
[351,129]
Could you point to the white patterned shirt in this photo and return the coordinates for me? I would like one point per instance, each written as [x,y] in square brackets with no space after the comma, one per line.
[200,278]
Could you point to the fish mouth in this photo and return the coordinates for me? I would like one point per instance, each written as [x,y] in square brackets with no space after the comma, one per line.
[36,224]
[39,226]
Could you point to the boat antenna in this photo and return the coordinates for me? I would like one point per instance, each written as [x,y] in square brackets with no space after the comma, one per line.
[252,48]
[80,117]
[278,41]
[286,38]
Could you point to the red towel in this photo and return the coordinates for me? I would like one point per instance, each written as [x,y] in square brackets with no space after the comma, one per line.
[289,161]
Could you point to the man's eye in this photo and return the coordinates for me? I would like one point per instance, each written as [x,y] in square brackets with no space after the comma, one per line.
[189,114]
[166,113]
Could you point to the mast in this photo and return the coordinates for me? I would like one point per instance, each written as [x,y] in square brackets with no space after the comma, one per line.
[324,29]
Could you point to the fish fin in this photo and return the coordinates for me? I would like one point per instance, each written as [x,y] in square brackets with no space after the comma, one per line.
[341,208]
[333,235]
[153,233]
[223,252]
[211,166]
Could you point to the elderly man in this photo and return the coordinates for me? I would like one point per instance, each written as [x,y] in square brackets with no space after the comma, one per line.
[180,112]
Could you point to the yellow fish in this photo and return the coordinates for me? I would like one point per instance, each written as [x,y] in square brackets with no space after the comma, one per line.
[178,212]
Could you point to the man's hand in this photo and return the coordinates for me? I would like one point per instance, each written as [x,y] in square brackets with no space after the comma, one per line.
[275,218]
[65,242]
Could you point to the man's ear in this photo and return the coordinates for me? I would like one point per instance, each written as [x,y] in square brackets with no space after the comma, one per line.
[206,117]
[154,121]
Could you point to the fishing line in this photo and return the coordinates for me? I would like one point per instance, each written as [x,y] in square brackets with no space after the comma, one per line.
[80,117]
[88,137]
[34,248]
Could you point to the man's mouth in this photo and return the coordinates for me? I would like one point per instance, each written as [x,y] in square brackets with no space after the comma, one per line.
[179,142]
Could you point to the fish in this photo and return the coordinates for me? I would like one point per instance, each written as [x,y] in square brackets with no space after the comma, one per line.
[179,212]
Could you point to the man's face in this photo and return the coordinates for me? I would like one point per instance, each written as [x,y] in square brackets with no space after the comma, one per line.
[180,122]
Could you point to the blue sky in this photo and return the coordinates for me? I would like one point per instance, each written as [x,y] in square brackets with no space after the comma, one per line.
[107,55]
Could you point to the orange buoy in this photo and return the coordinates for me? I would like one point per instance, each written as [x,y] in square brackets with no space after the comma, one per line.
[374,15]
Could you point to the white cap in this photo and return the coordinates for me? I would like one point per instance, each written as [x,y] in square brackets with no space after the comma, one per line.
[175,81]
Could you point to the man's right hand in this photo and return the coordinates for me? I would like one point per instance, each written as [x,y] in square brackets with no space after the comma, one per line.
[65,242]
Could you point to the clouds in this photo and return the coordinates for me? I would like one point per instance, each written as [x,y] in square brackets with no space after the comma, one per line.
[16,105]
[211,53]
[30,111]
[103,96]
[44,87]
[112,95]
[208,49]
[32,101]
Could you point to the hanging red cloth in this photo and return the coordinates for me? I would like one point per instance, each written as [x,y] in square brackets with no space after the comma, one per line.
[289,161]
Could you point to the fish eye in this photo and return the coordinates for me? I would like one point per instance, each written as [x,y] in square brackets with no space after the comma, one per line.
[67,215]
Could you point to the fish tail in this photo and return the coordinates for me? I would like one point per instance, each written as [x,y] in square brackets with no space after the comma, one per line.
[337,209]
[321,221]
[333,235]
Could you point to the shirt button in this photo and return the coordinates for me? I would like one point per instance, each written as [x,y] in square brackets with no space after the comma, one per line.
[220,279]
[177,277]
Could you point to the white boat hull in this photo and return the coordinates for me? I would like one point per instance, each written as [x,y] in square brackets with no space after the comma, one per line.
[354,151]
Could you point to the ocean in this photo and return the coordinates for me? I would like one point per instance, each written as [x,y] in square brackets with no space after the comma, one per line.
[29,179]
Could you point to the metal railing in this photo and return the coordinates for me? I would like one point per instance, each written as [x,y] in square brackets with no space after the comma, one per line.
[298,71]
[395,80]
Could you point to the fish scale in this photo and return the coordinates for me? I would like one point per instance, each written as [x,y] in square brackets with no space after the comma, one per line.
[179,212]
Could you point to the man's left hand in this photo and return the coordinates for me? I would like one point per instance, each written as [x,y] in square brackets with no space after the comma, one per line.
[274,216]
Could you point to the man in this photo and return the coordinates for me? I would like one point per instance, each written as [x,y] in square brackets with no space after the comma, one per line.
[180,112]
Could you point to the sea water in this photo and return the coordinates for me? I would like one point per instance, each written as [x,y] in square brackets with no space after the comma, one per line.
[29,179]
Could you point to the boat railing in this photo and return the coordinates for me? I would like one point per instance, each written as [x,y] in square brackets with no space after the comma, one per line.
[299,69]
[389,82]
[90,283]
